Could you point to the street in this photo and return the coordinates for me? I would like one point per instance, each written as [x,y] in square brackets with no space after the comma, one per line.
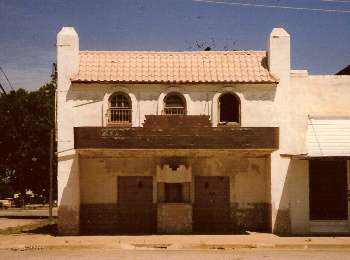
[248,254]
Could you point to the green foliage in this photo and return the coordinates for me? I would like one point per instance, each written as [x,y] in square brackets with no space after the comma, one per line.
[26,119]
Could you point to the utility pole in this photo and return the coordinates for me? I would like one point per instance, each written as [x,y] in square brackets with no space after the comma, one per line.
[52,140]
[51,174]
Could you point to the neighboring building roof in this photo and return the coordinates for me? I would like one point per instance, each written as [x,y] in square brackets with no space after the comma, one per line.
[345,71]
[173,67]
[328,137]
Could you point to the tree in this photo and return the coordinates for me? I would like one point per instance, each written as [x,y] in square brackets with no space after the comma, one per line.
[26,119]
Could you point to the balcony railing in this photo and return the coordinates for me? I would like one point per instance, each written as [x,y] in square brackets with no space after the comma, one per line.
[187,133]
[119,116]
[174,111]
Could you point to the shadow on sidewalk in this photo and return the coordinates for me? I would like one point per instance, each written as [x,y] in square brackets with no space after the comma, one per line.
[50,228]
[39,227]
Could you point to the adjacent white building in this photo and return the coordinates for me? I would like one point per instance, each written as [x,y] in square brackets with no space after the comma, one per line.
[217,141]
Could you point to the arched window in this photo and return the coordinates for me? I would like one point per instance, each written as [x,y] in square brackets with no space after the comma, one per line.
[174,104]
[229,109]
[120,109]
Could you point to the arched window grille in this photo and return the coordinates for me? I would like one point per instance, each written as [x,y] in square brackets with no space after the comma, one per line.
[229,109]
[120,109]
[174,104]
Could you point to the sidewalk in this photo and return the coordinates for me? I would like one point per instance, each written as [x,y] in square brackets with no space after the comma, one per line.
[26,213]
[173,242]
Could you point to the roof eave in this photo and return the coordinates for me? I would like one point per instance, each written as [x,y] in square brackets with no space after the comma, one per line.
[173,82]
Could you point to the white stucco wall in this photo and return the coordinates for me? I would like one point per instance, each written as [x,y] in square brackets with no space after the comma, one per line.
[287,106]
[249,177]
[89,102]
[315,96]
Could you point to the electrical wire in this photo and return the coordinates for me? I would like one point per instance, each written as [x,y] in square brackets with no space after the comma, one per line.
[2,89]
[337,1]
[273,6]
[3,72]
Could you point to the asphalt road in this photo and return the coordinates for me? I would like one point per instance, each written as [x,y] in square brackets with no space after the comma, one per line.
[103,254]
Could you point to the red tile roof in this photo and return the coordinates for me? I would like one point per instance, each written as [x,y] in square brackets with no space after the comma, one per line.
[173,67]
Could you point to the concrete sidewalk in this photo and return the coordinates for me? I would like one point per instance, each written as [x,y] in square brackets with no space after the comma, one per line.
[26,213]
[253,240]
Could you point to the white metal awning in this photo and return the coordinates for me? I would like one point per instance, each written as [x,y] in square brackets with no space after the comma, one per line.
[328,137]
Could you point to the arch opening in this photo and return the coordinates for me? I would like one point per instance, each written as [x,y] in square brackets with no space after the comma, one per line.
[229,109]
[174,104]
[120,109]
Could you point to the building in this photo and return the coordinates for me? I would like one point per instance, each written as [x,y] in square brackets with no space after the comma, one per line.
[217,141]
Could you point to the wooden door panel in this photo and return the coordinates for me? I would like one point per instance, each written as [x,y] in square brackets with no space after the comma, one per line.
[211,211]
[136,211]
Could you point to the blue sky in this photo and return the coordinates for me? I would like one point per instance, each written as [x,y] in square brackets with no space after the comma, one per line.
[320,40]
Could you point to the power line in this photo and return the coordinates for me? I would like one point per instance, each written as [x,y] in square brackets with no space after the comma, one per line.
[274,6]
[337,1]
[3,72]
[2,89]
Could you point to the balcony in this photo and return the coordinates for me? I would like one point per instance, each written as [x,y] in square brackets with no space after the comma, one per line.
[174,111]
[119,116]
[176,132]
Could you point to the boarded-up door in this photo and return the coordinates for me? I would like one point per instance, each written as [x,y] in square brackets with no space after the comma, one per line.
[328,189]
[136,211]
[211,210]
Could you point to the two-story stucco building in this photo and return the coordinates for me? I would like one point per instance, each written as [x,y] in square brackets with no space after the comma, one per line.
[216,141]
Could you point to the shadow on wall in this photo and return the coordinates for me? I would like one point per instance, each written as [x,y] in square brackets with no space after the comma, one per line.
[293,213]
[264,63]
[250,92]
[68,209]
[259,92]
[283,217]
[90,94]
[253,92]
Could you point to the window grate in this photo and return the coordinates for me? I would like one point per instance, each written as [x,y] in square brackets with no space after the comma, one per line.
[119,116]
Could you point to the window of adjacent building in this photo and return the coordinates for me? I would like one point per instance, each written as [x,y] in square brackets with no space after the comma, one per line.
[120,109]
[328,189]
[229,109]
[174,104]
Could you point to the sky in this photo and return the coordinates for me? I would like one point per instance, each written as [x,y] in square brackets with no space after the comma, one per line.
[320,39]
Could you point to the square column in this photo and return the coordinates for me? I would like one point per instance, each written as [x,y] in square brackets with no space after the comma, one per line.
[68,194]
[348,192]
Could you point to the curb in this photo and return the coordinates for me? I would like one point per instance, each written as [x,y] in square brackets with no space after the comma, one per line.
[124,246]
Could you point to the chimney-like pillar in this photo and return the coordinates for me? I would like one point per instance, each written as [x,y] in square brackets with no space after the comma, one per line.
[67,165]
[67,56]
[278,53]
